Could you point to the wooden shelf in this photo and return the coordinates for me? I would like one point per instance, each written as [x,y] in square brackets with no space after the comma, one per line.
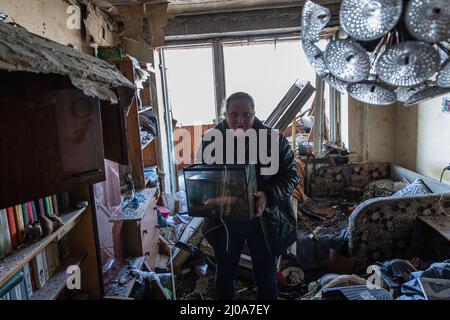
[56,284]
[147,144]
[123,283]
[137,214]
[14,262]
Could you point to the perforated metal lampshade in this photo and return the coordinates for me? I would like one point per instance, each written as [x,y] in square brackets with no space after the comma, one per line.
[443,78]
[315,57]
[368,20]
[428,20]
[426,94]
[372,93]
[347,60]
[314,18]
[408,63]
[404,93]
[336,83]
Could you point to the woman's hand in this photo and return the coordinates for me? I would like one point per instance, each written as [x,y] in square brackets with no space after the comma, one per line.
[260,203]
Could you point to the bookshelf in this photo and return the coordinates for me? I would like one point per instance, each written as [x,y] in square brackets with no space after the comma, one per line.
[130,237]
[55,145]
[14,262]
[81,242]
[55,285]
[140,155]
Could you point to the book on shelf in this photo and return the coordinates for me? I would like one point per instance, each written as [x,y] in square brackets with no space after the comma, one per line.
[63,248]
[2,241]
[30,213]
[41,206]
[55,205]
[11,283]
[12,228]
[23,290]
[16,293]
[33,275]
[18,287]
[13,294]
[34,286]
[25,214]
[52,254]
[39,270]
[48,206]
[45,264]
[19,224]
[6,235]
[28,281]
[35,207]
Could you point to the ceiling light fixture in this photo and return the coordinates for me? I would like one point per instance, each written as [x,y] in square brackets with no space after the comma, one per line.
[393,50]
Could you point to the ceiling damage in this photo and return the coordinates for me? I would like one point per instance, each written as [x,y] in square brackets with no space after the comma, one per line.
[21,50]
[140,25]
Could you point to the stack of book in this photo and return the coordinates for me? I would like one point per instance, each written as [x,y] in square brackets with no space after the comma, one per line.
[35,274]
[14,220]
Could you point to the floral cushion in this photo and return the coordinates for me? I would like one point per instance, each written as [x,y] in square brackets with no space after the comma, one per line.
[381,188]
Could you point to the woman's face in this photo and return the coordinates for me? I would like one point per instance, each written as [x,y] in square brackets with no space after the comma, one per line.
[240,115]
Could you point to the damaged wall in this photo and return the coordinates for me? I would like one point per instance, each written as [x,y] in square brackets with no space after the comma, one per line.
[426,127]
[47,18]
[413,137]
[406,152]
[372,131]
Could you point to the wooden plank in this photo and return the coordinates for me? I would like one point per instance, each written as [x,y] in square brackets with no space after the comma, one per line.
[13,263]
[150,155]
[84,237]
[441,224]
[135,147]
[150,233]
[55,285]
[133,131]
[114,133]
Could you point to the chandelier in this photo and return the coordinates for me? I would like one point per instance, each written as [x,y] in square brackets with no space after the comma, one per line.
[393,50]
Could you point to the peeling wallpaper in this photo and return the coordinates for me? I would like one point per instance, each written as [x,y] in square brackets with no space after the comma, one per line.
[46,18]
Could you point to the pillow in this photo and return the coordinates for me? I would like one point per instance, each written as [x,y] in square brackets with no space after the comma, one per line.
[415,188]
[381,188]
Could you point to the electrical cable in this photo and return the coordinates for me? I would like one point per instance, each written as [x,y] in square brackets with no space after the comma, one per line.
[443,171]
[221,208]
[442,208]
